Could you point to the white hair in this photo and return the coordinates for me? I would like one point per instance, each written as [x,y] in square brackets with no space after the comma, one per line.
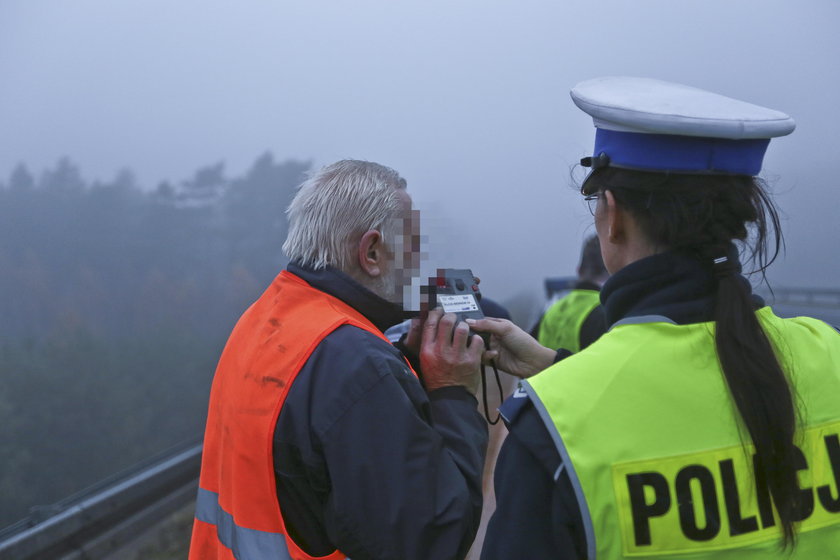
[335,207]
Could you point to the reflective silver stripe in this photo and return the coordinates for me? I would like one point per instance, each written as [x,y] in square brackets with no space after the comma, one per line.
[643,319]
[245,544]
[585,516]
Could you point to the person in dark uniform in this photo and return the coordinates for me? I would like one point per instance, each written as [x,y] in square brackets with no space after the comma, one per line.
[322,439]
[576,319]
[701,425]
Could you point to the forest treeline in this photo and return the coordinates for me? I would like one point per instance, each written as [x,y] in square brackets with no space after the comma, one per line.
[116,302]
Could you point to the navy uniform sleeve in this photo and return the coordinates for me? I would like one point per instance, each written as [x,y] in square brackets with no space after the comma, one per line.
[536,515]
[397,472]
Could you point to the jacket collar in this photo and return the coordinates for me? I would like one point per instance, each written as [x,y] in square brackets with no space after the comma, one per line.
[377,310]
[672,284]
[587,285]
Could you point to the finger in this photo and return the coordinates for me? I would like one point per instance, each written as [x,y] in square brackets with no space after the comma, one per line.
[415,333]
[430,327]
[415,328]
[490,324]
[460,335]
[489,355]
[476,346]
[446,329]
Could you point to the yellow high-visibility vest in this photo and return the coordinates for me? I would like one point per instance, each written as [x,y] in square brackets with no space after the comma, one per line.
[651,440]
[560,326]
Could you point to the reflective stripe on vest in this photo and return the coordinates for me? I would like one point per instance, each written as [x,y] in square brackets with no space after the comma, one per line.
[245,544]
[641,320]
[644,423]
[560,327]
[568,467]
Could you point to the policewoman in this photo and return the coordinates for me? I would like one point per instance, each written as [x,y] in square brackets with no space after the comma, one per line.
[701,425]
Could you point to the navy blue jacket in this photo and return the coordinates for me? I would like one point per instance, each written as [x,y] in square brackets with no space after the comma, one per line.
[366,460]
[537,517]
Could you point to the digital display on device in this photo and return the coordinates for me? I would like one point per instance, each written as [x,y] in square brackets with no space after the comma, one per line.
[459,303]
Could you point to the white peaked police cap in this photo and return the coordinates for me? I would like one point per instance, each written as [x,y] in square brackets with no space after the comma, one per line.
[652,125]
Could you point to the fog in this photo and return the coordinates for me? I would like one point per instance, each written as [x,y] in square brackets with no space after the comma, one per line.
[192,121]
[468,100]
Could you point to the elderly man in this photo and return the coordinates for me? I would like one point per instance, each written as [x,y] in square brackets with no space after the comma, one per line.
[322,441]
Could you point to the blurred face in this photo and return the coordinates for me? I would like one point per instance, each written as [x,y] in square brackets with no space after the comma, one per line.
[404,248]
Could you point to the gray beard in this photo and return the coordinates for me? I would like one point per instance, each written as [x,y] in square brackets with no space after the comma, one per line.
[390,286]
[383,287]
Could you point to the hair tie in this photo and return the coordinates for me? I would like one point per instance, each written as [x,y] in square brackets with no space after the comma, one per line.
[723,267]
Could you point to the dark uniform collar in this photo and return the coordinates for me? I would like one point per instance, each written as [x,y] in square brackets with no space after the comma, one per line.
[587,285]
[672,284]
[377,310]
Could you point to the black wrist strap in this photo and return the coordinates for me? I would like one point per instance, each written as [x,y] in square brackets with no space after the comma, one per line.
[484,393]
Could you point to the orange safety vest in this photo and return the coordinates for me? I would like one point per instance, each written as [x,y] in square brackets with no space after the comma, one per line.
[237,512]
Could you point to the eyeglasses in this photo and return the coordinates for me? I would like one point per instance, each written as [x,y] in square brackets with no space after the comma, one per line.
[592,202]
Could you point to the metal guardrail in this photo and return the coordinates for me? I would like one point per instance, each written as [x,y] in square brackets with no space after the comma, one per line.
[784,295]
[826,297]
[105,517]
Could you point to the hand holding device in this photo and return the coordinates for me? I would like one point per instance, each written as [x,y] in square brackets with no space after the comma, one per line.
[446,358]
[516,352]
[455,290]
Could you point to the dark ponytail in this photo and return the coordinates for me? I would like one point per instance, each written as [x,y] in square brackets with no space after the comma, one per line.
[760,390]
[702,215]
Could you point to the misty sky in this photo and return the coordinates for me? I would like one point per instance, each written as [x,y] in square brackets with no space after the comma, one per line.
[468,100]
